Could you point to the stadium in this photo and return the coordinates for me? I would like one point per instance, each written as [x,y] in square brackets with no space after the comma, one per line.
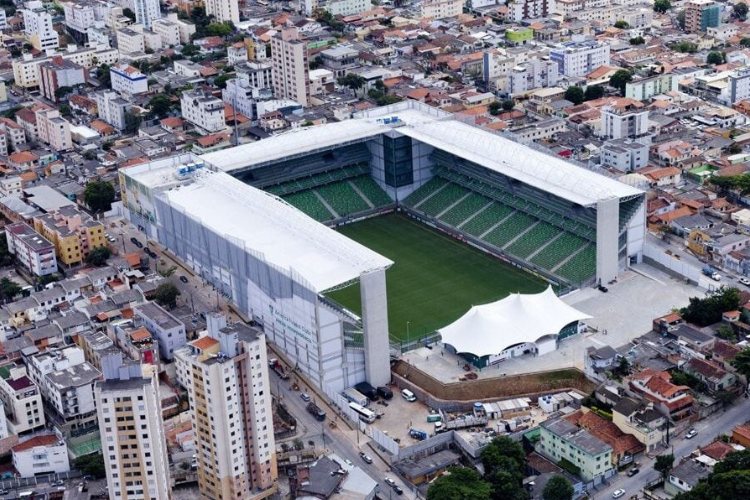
[457,215]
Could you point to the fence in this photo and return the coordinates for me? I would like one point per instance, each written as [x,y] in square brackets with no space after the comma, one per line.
[25,482]
[675,265]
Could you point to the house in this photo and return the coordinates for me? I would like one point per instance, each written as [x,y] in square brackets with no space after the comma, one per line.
[714,376]
[598,361]
[691,337]
[641,420]
[673,401]
[42,454]
[685,476]
[168,330]
[741,435]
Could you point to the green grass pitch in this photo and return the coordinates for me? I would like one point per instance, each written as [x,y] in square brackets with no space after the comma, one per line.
[435,279]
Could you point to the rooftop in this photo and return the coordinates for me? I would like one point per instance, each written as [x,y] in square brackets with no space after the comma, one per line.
[158,315]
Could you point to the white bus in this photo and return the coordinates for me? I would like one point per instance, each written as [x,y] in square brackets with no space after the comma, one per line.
[364,414]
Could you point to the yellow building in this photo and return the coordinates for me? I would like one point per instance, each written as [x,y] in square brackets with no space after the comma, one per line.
[73,233]
[697,242]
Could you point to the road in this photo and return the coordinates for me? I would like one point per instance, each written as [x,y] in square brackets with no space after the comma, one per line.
[708,430]
[343,442]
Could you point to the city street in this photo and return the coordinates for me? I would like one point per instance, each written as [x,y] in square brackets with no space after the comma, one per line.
[708,430]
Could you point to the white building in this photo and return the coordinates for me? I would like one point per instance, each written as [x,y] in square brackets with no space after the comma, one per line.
[223,10]
[168,330]
[624,155]
[22,400]
[530,9]
[580,58]
[290,67]
[532,74]
[128,80]
[79,16]
[204,111]
[53,129]
[236,53]
[120,403]
[112,108]
[32,250]
[346,7]
[130,40]
[625,118]
[186,28]
[38,26]
[439,9]
[146,12]
[168,31]
[241,96]
[226,376]
[42,454]
[739,85]
[646,88]
[26,68]
[257,74]
[11,186]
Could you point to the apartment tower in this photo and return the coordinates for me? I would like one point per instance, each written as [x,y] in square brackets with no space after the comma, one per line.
[291,79]
[226,375]
[223,10]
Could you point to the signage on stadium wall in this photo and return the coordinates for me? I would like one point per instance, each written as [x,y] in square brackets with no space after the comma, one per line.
[284,322]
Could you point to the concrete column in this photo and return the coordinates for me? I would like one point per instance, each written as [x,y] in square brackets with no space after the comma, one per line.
[375,322]
[607,231]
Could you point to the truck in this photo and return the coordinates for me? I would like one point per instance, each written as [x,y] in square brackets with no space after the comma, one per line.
[276,366]
[711,273]
[354,396]
[367,390]
[385,392]
[315,411]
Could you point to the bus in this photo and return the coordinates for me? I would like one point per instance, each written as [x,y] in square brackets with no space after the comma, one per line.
[365,415]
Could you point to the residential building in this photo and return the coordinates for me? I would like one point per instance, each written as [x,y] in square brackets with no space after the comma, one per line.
[130,40]
[338,7]
[519,10]
[53,129]
[22,400]
[290,67]
[580,58]
[226,375]
[739,85]
[561,439]
[73,233]
[532,74]
[685,476]
[41,454]
[14,132]
[33,252]
[673,401]
[168,330]
[712,374]
[11,186]
[203,110]
[646,88]
[258,75]
[146,12]
[112,108]
[26,68]
[128,80]
[641,420]
[701,15]
[57,73]
[223,10]
[236,54]
[187,29]
[38,27]
[439,9]
[79,17]
[132,435]
[341,59]
[625,155]
[168,31]
[242,96]
[625,118]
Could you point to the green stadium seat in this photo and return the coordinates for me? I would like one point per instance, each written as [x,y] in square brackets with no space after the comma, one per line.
[310,204]
[443,199]
[465,209]
[486,219]
[581,267]
[372,190]
[512,227]
[557,251]
[532,240]
[424,191]
[343,198]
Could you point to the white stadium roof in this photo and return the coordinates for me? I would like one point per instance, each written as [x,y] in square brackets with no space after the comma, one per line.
[284,236]
[491,328]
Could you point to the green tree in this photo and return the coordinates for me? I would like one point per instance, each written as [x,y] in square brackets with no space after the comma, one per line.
[558,488]
[132,122]
[661,6]
[65,109]
[745,42]
[6,258]
[663,464]
[494,108]
[461,483]
[574,94]
[726,398]
[102,74]
[9,289]
[685,47]
[166,295]
[91,465]
[707,311]
[500,448]
[506,484]
[159,105]
[725,332]
[99,195]
[620,79]
[220,29]
[98,256]
[735,149]
[738,460]
[621,24]
[352,81]
[61,92]
[637,40]
[508,104]
[221,80]
[129,14]
[741,363]
[715,58]
[593,92]
[739,10]
[189,50]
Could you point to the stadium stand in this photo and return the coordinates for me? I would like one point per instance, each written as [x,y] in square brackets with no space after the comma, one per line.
[424,191]
[532,239]
[580,266]
[443,199]
[310,204]
[510,229]
[487,218]
[464,209]
[343,198]
[371,190]
[558,250]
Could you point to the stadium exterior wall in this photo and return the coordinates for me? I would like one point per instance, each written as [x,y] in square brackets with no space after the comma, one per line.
[307,330]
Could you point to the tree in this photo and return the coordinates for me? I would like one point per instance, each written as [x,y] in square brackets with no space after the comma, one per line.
[508,104]
[166,295]
[620,79]
[461,483]
[220,29]
[6,258]
[685,47]
[98,256]
[499,448]
[189,50]
[745,42]
[65,109]
[739,10]
[129,14]
[61,92]
[726,398]
[102,74]
[725,332]
[735,149]
[574,94]
[737,460]
[91,465]
[663,464]
[621,24]
[707,311]
[352,80]
[506,484]
[593,92]
[221,80]
[494,108]
[637,40]
[160,105]
[99,195]
[558,488]
[661,6]
[132,122]
[741,363]
[9,289]
[715,58]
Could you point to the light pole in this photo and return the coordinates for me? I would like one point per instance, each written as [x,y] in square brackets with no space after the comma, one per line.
[408,336]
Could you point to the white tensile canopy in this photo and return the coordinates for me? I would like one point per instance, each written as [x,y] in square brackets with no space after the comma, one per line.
[518,318]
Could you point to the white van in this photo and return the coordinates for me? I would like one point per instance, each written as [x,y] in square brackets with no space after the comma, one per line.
[408,395]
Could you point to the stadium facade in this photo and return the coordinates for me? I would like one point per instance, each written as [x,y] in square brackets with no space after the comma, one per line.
[236,217]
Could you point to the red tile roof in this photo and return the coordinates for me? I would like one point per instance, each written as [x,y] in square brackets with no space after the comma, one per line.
[43,440]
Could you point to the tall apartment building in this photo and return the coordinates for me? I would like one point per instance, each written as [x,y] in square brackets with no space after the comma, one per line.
[133,442]
[38,27]
[130,40]
[57,73]
[226,375]
[78,18]
[146,12]
[439,9]
[739,85]
[203,110]
[34,252]
[186,28]
[532,74]
[22,400]
[112,108]
[291,77]
[626,118]
[646,88]
[580,58]
[73,233]
[53,129]
[530,9]
[168,31]
[701,14]
[338,7]
[223,10]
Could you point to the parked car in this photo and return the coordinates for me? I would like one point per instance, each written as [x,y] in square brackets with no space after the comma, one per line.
[632,472]
[745,281]
[618,493]
[59,482]
[398,490]
[390,482]
[691,434]
[135,242]
[183,279]
[305,397]
[365,457]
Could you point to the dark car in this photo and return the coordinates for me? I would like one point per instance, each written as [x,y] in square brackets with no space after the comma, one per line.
[135,242]
[398,490]
[385,392]
[183,279]
[632,472]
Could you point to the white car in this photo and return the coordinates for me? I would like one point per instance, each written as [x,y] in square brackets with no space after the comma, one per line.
[691,434]
[618,493]
[745,281]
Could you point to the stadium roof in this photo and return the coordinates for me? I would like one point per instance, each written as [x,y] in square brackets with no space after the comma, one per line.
[294,142]
[491,328]
[274,230]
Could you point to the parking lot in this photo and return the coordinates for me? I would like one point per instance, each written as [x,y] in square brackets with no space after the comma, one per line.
[399,416]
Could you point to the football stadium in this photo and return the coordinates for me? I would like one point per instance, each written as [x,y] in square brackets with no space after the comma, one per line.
[390,225]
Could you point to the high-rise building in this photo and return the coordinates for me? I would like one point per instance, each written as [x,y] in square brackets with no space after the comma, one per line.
[580,58]
[291,77]
[223,10]
[701,14]
[132,435]
[146,12]
[38,27]
[226,375]
[625,118]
